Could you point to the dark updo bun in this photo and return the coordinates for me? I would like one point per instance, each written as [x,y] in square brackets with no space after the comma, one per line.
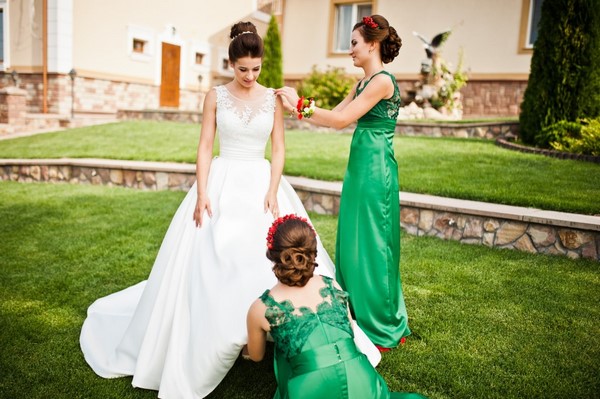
[245,42]
[293,251]
[385,34]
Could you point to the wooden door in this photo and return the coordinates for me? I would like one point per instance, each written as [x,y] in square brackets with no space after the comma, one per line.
[169,82]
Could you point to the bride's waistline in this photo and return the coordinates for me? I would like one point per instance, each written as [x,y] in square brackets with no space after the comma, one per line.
[258,155]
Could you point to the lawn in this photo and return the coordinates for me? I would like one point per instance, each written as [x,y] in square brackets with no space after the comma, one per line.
[460,168]
[486,323]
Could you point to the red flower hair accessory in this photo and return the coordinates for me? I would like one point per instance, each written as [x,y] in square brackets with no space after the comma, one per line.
[370,23]
[278,222]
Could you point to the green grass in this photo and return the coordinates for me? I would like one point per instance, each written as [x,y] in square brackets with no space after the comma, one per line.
[459,168]
[486,323]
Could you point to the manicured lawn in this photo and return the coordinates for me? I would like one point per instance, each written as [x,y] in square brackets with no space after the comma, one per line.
[459,168]
[486,323]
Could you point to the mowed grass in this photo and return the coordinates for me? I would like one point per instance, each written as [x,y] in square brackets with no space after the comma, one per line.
[486,323]
[459,168]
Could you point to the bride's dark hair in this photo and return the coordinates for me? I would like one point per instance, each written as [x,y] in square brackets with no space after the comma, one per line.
[245,42]
[293,251]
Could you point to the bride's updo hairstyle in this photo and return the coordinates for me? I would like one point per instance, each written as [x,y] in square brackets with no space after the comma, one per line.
[292,247]
[377,29]
[245,42]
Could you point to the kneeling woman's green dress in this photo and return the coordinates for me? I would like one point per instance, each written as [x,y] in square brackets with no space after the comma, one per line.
[315,354]
[368,236]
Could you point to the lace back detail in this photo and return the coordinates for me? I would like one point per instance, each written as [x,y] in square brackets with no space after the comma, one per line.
[291,327]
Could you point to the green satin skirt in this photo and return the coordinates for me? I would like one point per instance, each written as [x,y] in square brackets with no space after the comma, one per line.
[332,371]
[368,236]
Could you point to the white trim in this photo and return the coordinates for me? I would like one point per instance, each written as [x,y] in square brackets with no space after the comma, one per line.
[5,5]
[223,54]
[144,34]
[60,35]
[201,69]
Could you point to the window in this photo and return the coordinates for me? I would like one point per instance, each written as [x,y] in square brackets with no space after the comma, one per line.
[140,43]
[531,12]
[345,14]
[138,46]
[3,36]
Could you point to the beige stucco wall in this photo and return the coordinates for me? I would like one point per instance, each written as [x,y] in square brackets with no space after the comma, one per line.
[101,38]
[487,31]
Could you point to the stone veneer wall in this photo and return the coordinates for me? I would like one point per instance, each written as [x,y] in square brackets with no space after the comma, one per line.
[94,95]
[575,236]
[502,233]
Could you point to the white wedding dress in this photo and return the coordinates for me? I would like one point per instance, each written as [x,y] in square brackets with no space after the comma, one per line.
[181,331]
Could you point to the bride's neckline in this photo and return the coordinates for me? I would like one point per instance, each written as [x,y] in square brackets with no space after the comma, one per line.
[256,98]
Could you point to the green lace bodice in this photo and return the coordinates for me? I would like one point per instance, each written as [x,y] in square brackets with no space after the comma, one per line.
[292,327]
[385,108]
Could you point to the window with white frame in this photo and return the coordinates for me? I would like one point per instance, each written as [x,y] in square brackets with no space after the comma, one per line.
[530,18]
[535,14]
[4,35]
[346,14]
[1,35]
[140,43]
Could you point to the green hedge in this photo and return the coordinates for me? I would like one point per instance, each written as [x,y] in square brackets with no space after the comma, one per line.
[564,83]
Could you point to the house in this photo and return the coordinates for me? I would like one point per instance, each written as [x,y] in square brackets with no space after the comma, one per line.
[495,37]
[98,57]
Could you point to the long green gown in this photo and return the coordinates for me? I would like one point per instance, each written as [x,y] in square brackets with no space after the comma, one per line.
[315,354]
[368,236]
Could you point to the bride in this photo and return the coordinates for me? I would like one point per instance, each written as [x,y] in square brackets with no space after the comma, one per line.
[180,331]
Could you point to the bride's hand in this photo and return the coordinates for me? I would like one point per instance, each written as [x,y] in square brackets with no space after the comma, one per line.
[202,204]
[272,205]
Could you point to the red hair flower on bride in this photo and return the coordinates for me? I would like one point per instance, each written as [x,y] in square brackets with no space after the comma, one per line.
[370,23]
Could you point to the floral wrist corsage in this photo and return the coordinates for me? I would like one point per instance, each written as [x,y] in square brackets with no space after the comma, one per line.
[305,107]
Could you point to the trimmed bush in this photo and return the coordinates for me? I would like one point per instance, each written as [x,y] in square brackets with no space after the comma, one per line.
[581,137]
[272,65]
[564,83]
[328,88]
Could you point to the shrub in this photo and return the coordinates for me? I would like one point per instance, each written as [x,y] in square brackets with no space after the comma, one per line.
[581,137]
[272,65]
[328,88]
[564,83]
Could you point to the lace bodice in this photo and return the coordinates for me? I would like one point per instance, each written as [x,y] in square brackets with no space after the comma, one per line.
[244,126]
[292,327]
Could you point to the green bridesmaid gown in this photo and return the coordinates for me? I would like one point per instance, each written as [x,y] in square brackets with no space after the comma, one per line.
[368,236]
[315,354]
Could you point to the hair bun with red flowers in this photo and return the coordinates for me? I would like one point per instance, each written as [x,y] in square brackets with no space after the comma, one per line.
[368,21]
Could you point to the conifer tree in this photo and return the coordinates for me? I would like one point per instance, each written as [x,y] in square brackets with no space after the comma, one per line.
[564,81]
[272,66]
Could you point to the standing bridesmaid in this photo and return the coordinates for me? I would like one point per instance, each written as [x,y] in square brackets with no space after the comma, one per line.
[368,241]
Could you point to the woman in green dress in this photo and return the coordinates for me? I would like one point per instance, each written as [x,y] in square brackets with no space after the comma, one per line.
[368,241]
[308,318]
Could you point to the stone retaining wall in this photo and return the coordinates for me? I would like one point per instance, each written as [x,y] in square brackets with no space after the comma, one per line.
[501,233]
[525,229]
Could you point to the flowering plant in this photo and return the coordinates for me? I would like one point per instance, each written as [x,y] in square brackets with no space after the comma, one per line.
[305,107]
[278,222]
[370,23]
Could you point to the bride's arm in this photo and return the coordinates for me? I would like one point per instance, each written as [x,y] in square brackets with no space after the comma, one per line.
[204,156]
[277,159]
